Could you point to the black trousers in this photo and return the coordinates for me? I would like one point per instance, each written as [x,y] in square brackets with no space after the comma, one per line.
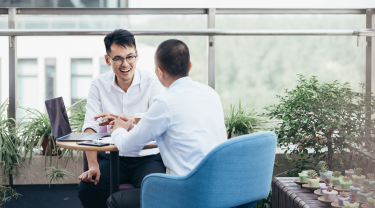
[131,170]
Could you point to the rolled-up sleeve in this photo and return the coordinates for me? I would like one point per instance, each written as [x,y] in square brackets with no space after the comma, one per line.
[153,124]
[93,108]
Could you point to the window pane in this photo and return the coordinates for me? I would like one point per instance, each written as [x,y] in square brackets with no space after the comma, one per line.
[4,69]
[27,85]
[50,75]
[255,69]
[81,76]
[104,67]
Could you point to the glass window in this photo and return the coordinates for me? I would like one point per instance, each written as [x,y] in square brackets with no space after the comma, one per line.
[104,67]
[50,76]
[254,69]
[81,76]
[27,85]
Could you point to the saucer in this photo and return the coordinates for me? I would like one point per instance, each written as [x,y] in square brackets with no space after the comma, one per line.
[306,186]
[321,199]
[317,192]
[297,181]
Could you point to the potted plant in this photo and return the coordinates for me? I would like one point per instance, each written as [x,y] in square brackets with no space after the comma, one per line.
[371,179]
[355,188]
[239,121]
[336,177]
[349,173]
[343,196]
[371,201]
[352,203]
[302,177]
[56,174]
[37,132]
[323,171]
[325,185]
[313,178]
[312,118]
[345,183]
[10,153]
[358,177]
[330,194]
[364,193]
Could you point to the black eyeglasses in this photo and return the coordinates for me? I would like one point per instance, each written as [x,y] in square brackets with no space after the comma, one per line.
[117,61]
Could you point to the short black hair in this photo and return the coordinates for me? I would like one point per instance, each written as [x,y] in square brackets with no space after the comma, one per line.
[173,56]
[119,37]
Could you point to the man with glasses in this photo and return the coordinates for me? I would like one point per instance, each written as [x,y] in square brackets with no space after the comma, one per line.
[124,90]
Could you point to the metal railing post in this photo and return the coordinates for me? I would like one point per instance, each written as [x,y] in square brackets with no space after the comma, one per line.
[12,71]
[211,48]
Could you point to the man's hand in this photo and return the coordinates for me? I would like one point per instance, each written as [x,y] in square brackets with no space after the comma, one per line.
[122,122]
[87,176]
[106,118]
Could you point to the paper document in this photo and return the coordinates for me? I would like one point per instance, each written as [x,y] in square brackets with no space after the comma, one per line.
[109,140]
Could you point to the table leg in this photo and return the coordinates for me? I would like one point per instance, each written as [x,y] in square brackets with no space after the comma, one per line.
[114,164]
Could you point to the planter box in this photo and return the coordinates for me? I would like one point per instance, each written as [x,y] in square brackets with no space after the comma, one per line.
[35,174]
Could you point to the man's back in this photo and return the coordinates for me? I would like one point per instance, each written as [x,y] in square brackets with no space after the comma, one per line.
[196,125]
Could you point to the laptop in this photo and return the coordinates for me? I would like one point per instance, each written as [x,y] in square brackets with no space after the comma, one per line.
[60,123]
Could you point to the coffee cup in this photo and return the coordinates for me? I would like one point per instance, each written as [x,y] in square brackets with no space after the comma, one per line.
[137,117]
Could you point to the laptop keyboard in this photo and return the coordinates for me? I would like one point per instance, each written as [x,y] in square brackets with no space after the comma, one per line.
[75,136]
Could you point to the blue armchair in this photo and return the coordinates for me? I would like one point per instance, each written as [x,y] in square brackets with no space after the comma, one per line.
[237,173]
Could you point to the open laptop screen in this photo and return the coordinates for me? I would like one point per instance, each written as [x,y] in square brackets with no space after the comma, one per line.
[58,117]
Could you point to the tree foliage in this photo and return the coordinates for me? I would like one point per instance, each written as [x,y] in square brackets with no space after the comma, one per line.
[328,118]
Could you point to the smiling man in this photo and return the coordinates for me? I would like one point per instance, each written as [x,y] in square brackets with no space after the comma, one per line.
[124,90]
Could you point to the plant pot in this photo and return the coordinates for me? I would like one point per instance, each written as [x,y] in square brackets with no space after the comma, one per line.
[358,179]
[330,195]
[324,175]
[349,205]
[302,177]
[345,184]
[362,197]
[340,200]
[51,149]
[354,189]
[322,187]
[372,185]
[336,181]
[371,202]
[349,173]
[313,182]
[305,172]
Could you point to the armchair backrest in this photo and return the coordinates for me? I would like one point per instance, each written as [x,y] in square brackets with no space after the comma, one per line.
[234,173]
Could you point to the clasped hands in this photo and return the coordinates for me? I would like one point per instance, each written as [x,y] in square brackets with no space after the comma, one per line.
[115,121]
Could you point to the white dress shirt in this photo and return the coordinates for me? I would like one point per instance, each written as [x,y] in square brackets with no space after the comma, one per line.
[106,96]
[187,122]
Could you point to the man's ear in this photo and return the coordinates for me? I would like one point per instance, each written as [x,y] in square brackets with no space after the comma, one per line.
[107,60]
[191,65]
[137,53]
[161,73]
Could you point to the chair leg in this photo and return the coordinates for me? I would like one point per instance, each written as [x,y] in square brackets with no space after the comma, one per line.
[248,205]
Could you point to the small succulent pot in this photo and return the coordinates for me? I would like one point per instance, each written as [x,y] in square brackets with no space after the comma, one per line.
[371,202]
[354,189]
[349,205]
[324,175]
[302,177]
[345,185]
[322,187]
[341,200]
[330,195]
[336,180]
[358,179]
[349,173]
[362,197]
[313,182]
